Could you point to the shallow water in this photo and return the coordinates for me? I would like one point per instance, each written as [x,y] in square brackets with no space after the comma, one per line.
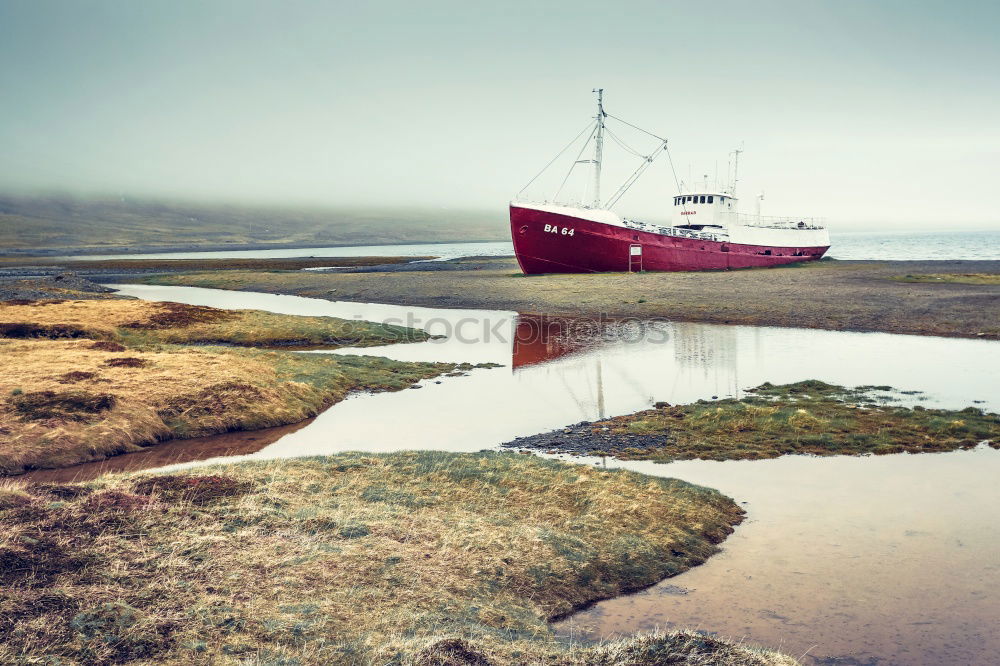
[883,560]
[442,250]
[978,245]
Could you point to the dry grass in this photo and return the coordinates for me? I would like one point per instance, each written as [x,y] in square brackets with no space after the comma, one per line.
[173,392]
[85,380]
[808,417]
[409,558]
[139,323]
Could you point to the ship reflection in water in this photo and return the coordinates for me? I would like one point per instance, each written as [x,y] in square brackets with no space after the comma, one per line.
[539,338]
[701,356]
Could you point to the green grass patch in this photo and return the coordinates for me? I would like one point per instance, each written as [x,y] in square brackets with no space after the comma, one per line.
[808,417]
[952,278]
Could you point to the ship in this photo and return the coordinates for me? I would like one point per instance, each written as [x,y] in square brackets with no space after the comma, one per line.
[707,231]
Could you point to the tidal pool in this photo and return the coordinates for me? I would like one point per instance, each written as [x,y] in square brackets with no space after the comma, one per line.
[873,560]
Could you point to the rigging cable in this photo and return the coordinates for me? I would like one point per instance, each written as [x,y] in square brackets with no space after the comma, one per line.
[635,127]
[575,138]
[647,159]
[621,143]
[677,182]
[577,160]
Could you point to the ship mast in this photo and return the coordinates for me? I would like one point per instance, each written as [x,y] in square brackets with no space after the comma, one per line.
[598,146]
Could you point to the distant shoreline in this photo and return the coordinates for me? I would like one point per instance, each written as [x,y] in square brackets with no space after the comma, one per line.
[125,251]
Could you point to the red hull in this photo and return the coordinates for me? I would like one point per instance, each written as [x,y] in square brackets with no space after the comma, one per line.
[596,247]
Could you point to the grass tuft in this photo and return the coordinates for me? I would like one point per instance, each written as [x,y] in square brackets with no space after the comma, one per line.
[76,376]
[67,405]
[108,346]
[178,315]
[25,330]
[194,489]
[126,362]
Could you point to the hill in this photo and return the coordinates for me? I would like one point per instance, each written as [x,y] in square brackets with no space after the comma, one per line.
[69,225]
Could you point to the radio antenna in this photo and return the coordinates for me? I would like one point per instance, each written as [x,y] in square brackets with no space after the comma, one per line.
[736,168]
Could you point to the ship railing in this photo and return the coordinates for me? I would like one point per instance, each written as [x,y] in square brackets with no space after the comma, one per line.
[776,222]
[691,233]
[674,231]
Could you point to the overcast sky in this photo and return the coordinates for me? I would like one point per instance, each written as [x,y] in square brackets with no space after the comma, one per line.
[860,111]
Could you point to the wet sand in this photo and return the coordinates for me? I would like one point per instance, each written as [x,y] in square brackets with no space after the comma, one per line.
[833,295]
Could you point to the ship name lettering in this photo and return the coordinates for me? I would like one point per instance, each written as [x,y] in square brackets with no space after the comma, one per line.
[554,229]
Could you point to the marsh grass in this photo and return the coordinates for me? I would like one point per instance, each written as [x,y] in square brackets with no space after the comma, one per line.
[407,558]
[129,376]
[952,278]
[176,392]
[809,417]
[138,323]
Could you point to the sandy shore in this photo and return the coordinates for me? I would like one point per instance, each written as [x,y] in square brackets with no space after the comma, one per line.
[834,295]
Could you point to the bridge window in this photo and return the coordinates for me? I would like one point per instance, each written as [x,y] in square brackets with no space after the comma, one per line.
[711,198]
[702,199]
